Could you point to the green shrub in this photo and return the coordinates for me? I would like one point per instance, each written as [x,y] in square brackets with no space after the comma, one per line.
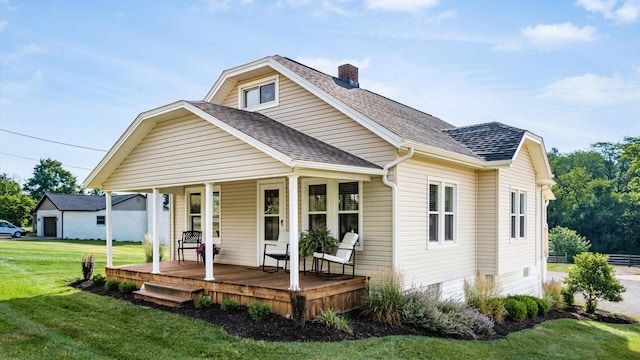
[127,287]
[595,279]
[484,295]
[112,284]
[530,303]
[230,305]
[568,297]
[203,302]
[423,308]
[383,303]
[258,311]
[567,241]
[516,309]
[333,320]
[552,294]
[98,280]
[543,306]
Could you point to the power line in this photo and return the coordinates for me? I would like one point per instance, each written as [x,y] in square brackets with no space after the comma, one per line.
[28,158]
[53,141]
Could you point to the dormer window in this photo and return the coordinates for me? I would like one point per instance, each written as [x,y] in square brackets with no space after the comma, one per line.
[259,94]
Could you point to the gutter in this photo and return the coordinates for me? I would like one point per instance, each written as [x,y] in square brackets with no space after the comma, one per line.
[394,205]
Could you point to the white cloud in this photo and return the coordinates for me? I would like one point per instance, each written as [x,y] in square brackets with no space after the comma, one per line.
[320,7]
[23,52]
[20,88]
[552,36]
[217,5]
[3,24]
[445,15]
[624,11]
[594,90]
[400,5]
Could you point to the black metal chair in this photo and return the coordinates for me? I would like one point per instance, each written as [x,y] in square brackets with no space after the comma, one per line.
[190,240]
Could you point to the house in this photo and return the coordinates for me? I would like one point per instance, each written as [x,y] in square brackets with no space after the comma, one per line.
[278,146]
[67,216]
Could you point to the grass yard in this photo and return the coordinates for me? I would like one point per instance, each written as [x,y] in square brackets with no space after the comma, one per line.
[42,318]
[558,267]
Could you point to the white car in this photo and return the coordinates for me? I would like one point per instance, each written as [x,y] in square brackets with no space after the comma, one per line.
[8,228]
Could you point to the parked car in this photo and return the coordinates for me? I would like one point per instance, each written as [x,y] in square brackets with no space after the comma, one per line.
[8,228]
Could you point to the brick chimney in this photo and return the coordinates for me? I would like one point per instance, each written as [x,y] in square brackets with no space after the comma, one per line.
[348,73]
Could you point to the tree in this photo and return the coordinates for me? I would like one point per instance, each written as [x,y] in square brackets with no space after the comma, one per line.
[568,241]
[15,206]
[16,209]
[49,176]
[595,279]
[9,186]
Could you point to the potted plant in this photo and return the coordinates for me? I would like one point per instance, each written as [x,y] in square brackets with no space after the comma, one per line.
[319,240]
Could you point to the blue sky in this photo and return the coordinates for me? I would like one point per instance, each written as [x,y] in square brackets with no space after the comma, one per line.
[79,72]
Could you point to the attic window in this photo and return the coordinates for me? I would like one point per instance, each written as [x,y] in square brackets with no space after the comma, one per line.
[259,94]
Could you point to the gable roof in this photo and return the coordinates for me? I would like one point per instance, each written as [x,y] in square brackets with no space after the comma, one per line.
[286,140]
[404,121]
[490,141]
[75,202]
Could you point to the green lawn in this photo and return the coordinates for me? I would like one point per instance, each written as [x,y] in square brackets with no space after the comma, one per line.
[42,318]
[557,267]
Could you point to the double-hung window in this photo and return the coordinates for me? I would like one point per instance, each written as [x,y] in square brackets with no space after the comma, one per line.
[196,211]
[442,218]
[100,220]
[335,205]
[259,94]
[518,214]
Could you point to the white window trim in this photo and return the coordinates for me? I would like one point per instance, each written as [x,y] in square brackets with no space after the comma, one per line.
[332,206]
[187,205]
[441,219]
[518,191]
[257,83]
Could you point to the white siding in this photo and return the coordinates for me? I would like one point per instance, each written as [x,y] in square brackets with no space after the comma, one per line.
[514,255]
[435,265]
[487,221]
[303,111]
[377,228]
[238,228]
[189,150]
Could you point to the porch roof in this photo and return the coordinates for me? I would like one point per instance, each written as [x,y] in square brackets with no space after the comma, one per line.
[286,140]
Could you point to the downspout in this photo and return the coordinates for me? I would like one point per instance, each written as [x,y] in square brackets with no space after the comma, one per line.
[62,225]
[394,205]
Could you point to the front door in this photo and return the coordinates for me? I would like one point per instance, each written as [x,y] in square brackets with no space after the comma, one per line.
[49,226]
[271,216]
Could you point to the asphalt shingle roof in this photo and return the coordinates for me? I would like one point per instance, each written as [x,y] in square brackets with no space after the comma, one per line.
[288,141]
[70,202]
[490,141]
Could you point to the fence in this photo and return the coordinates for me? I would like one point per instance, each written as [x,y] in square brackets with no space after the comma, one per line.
[557,257]
[624,259]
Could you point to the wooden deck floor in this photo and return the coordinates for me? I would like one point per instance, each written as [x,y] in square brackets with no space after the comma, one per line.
[248,284]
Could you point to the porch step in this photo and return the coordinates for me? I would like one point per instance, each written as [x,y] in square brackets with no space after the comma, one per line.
[168,294]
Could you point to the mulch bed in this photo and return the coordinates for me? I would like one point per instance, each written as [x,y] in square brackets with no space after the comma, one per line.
[277,328]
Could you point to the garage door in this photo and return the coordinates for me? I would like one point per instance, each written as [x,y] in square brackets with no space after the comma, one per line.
[50,226]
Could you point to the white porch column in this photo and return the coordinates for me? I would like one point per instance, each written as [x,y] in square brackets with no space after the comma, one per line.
[155,233]
[294,274]
[208,231]
[107,223]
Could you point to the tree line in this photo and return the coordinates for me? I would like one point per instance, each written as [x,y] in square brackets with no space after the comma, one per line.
[598,195]
[16,201]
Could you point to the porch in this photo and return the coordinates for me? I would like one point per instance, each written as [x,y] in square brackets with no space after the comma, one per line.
[247,284]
